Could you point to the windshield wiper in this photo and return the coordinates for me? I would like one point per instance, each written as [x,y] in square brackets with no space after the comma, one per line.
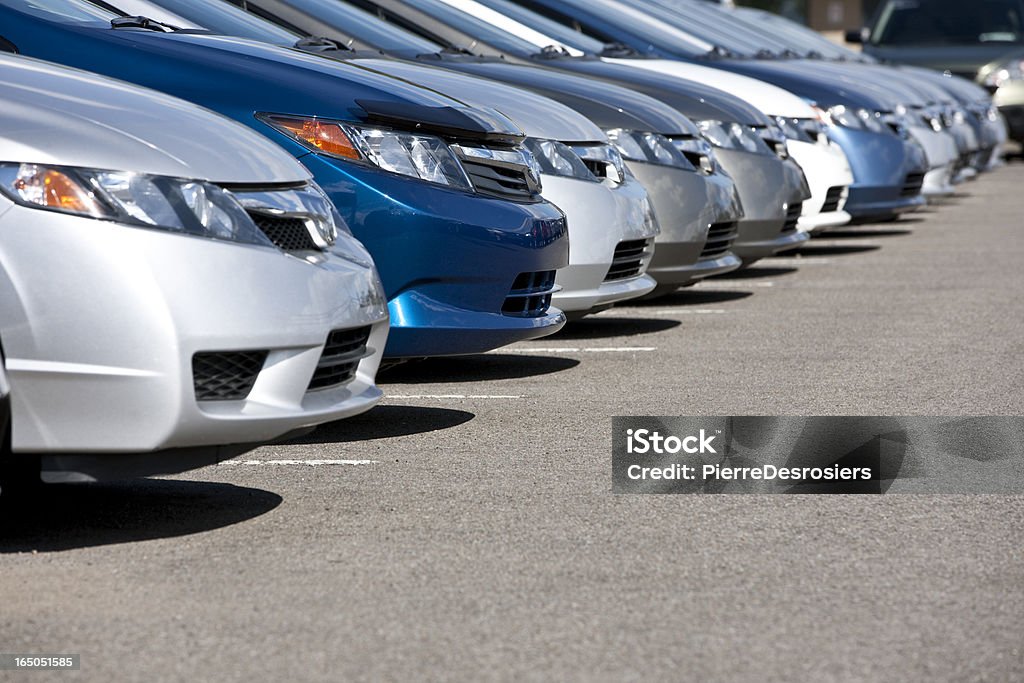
[320,44]
[553,52]
[614,50]
[718,52]
[143,23]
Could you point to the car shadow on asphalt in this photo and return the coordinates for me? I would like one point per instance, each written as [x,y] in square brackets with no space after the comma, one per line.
[385,422]
[56,517]
[691,297]
[861,234]
[606,328]
[479,368]
[753,273]
[836,249]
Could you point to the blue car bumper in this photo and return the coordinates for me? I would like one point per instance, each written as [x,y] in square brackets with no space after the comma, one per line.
[463,273]
[888,173]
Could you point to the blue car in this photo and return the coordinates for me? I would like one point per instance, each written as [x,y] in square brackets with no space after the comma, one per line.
[441,194]
[888,167]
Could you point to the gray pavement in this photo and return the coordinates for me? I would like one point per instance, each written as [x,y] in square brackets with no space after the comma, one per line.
[470,533]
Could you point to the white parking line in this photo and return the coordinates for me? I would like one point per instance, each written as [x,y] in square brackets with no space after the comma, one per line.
[451,397]
[639,313]
[795,261]
[732,284]
[576,349]
[306,463]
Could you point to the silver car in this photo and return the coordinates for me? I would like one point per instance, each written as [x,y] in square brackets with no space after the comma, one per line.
[173,287]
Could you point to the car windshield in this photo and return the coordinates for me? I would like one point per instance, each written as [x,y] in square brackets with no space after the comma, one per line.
[553,31]
[633,18]
[949,22]
[63,11]
[224,18]
[474,26]
[715,25]
[364,27]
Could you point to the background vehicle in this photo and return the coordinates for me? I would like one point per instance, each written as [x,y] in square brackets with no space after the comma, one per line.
[982,41]
[174,290]
[466,247]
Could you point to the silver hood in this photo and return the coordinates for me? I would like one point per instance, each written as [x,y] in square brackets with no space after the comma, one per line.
[538,116]
[54,115]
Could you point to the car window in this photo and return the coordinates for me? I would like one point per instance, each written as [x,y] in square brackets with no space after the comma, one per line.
[64,11]
[366,27]
[949,22]
[221,17]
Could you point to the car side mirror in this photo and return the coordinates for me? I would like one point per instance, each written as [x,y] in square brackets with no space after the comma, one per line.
[857,36]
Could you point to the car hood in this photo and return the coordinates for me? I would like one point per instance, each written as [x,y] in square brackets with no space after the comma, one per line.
[606,104]
[697,101]
[537,115]
[805,79]
[55,115]
[770,99]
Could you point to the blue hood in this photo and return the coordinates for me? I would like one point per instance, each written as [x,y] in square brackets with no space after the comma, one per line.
[240,77]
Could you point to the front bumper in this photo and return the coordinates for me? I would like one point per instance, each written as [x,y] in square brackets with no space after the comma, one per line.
[102,322]
[687,204]
[827,171]
[448,259]
[768,187]
[601,216]
[888,173]
[942,154]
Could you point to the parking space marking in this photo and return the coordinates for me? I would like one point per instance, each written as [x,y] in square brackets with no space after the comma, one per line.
[732,284]
[682,310]
[451,397]
[796,261]
[576,349]
[306,463]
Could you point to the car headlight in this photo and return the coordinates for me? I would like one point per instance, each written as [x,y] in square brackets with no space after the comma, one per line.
[558,159]
[800,130]
[604,161]
[698,152]
[775,138]
[1001,74]
[855,119]
[651,148]
[733,136]
[188,207]
[425,157]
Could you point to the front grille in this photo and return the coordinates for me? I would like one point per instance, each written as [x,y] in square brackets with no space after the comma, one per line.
[720,239]
[832,199]
[628,260]
[793,217]
[530,296]
[289,234]
[912,185]
[226,375]
[340,358]
[497,179]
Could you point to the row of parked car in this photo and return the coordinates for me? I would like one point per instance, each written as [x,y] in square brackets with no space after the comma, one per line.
[368,181]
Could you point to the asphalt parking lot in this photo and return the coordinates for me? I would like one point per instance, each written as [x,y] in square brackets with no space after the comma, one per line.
[465,529]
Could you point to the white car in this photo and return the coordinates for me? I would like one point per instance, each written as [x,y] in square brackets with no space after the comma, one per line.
[173,287]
